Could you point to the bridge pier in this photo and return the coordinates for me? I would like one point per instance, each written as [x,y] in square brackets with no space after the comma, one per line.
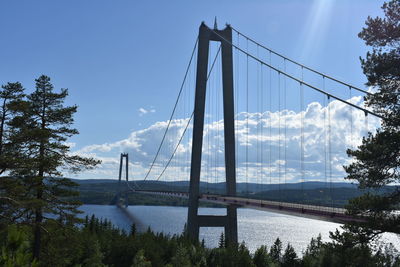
[229,221]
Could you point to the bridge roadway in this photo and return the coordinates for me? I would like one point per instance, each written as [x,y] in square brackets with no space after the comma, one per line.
[330,214]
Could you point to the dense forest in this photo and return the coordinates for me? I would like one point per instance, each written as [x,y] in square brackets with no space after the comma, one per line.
[96,243]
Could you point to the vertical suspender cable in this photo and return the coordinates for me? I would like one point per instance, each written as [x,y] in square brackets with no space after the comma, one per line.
[279,132]
[210,84]
[181,163]
[270,121]
[262,126]
[208,122]
[218,128]
[186,167]
[300,65]
[330,149]
[216,136]
[302,133]
[295,79]
[351,119]
[325,138]
[247,119]
[217,107]
[236,88]
[220,107]
[284,121]
[187,125]
[258,122]
[173,111]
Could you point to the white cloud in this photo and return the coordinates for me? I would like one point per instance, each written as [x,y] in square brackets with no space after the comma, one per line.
[143,111]
[264,152]
[70,144]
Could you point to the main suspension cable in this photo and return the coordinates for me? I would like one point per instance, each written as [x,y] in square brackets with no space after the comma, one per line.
[173,111]
[188,123]
[301,65]
[296,79]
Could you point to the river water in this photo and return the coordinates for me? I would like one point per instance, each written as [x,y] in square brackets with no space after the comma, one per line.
[255,227]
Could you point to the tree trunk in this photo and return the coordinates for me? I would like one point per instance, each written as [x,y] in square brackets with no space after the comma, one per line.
[39,212]
[3,118]
[38,223]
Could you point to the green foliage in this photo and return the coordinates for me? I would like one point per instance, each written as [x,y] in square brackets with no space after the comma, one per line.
[16,251]
[377,161]
[346,251]
[243,256]
[276,251]
[40,131]
[34,129]
[10,95]
[289,258]
[262,258]
[221,242]
[133,230]
[98,243]
[230,256]
[181,257]
[92,255]
[140,260]
[312,254]
[10,189]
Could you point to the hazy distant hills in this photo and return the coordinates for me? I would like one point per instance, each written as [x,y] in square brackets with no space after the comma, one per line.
[184,185]
[102,191]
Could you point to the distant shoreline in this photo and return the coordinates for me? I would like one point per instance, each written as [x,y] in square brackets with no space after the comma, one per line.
[315,193]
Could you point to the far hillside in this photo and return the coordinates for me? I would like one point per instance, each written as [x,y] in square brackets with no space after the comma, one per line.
[102,191]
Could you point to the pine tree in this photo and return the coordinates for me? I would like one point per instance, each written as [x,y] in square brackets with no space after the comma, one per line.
[313,252]
[133,230]
[40,132]
[377,159]
[261,257]
[276,251]
[11,95]
[16,251]
[221,242]
[181,257]
[92,254]
[289,258]
[140,260]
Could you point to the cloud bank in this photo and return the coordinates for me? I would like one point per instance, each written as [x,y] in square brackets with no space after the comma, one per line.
[271,147]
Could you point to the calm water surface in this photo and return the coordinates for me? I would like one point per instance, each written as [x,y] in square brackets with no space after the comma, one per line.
[255,227]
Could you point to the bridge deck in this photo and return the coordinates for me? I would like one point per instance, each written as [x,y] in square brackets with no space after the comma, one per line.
[330,214]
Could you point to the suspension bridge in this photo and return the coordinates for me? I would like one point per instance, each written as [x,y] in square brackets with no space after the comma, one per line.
[250,122]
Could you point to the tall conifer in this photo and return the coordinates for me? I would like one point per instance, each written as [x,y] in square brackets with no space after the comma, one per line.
[41,131]
[377,159]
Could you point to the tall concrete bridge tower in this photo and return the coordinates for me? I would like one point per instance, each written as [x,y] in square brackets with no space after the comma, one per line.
[228,221]
[123,200]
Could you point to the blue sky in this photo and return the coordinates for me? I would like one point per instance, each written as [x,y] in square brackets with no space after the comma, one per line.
[123,61]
